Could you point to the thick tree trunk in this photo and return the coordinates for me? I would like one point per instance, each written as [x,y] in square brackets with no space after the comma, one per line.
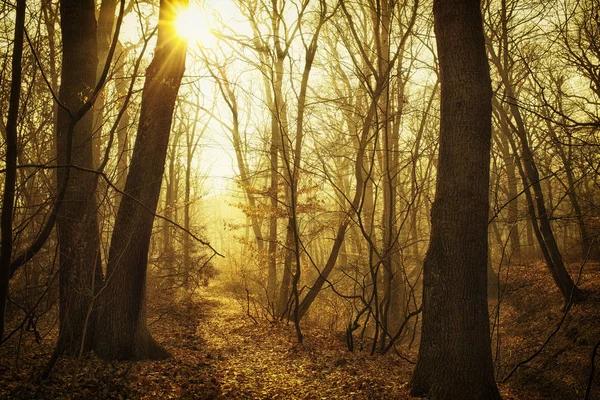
[79,242]
[122,332]
[455,360]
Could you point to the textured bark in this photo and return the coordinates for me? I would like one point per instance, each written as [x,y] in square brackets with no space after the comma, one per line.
[122,332]
[455,359]
[79,242]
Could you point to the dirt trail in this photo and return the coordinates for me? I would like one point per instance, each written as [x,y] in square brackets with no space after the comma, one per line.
[264,360]
[218,352]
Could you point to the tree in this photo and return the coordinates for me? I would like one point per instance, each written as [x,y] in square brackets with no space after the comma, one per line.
[79,241]
[529,171]
[122,332]
[454,356]
[8,197]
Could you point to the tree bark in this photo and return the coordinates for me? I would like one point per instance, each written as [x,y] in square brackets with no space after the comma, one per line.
[79,242]
[122,332]
[455,358]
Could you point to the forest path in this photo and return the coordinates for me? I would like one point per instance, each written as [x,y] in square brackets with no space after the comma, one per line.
[264,361]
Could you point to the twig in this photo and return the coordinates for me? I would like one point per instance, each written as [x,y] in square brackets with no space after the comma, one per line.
[248,306]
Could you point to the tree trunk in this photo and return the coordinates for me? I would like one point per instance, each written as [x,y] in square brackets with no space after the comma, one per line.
[122,332]
[390,257]
[172,182]
[121,86]
[510,161]
[537,207]
[586,241]
[354,206]
[78,236]
[455,360]
[531,179]
[293,167]
[10,179]
[191,146]
[415,193]
[106,19]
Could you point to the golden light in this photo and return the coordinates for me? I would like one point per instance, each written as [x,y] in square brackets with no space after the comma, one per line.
[192,25]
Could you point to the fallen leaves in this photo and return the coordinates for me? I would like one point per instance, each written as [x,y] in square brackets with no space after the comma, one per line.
[219,353]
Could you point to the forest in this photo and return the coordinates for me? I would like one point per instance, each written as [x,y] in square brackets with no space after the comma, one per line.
[300,199]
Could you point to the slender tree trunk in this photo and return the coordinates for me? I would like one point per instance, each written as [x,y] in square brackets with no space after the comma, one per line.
[354,206]
[106,19]
[415,193]
[389,142]
[79,242]
[122,132]
[274,196]
[168,255]
[231,100]
[10,177]
[455,360]
[510,161]
[122,332]
[531,178]
[537,207]
[584,237]
[293,167]
[191,145]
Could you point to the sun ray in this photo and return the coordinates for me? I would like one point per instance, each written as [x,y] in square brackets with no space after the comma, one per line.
[193,25]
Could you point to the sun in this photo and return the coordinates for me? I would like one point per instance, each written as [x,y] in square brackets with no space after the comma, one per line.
[192,25]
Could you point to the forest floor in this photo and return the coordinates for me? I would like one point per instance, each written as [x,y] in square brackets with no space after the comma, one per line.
[219,352]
